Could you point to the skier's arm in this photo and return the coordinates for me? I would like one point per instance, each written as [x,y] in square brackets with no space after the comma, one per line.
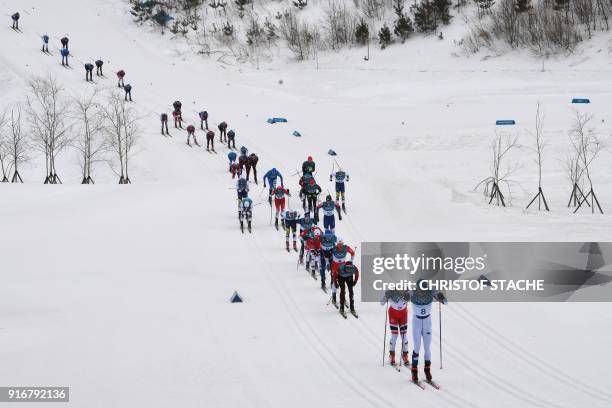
[347,177]
[351,251]
[385,298]
[331,176]
[281,177]
[356,276]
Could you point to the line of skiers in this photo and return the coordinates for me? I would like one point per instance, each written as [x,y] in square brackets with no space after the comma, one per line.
[320,250]
[65,53]
[225,136]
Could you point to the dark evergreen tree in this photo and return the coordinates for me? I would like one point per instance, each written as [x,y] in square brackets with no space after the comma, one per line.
[522,6]
[442,10]
[425,16]
[362,32]
[403,27]
[384,37]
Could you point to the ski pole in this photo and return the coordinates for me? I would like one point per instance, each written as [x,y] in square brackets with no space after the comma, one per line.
[385,338]
[440,321]
[330,299]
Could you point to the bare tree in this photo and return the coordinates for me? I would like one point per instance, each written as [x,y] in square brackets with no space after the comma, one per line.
[587,146]
[17,150]
[122,130]
[501,147]
[4,147]
[538,134]
[91,144]
[47,112]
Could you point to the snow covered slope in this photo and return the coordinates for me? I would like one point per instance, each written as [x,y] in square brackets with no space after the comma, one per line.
[121,292]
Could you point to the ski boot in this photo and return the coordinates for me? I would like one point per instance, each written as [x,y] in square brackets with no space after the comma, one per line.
[415,374]
[270,200]
[301,259]
[405,359]
[276,223]
[249,226]
[334,299]
[392,358]
[294,245]
[287,245]
[323,285]
[242,227]
[428,370]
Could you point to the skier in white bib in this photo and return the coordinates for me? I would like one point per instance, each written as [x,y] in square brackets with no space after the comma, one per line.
[422,300]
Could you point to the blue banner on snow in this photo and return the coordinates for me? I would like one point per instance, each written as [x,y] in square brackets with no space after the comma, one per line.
[581,100]
[276,120]
[504,122]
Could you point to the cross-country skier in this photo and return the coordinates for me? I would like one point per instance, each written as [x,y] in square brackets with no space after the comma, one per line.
[328,242]
[242,188]
[128,92]
[64,41]
[312,245]
[245,213]
[243,159]
[306,222]
[308,166]
[311,192]
[203,119]
[398,321]
[120,76]
[99,64]
[164,123]
[15,18]
[290,218]
[329,220]
[339,254]
[347,276]
[236,170]
[231,156]
[304,181]
[271,177]
[231,139]
[191,133]
[279,201]
[89,72]
[422,300]
[210,140]
[222,132]
[45,44]
[177,105]
[178,119]
[340,177]
[251,164]
[64,52]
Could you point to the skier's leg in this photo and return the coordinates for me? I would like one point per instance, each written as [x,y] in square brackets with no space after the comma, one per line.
[393,326]
[322,268]
[403,323]
[417,330]
[342,282]
[426,332]
[351,294]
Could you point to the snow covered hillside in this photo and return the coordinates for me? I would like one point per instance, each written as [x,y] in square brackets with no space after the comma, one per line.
[122,292]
